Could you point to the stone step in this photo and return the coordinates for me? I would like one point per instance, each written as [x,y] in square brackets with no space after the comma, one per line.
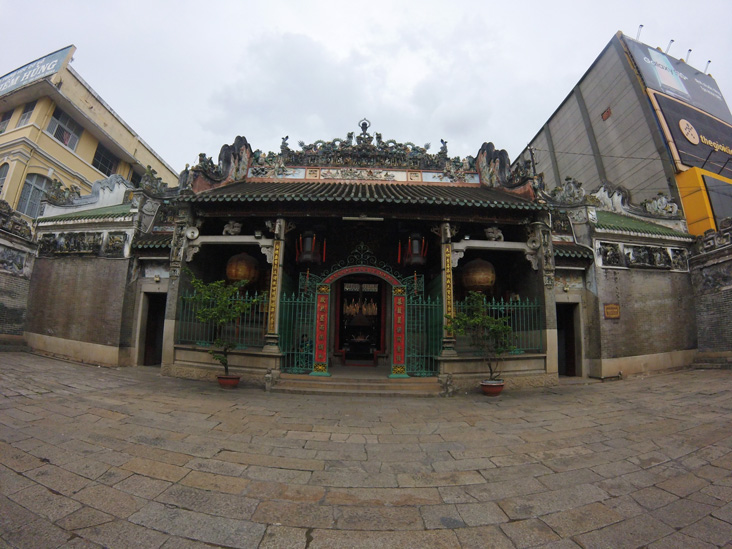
[354,386]
[351,391]
[14,349]
[13,344]
[708,365]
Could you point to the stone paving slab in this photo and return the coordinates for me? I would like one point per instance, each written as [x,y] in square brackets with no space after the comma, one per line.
[96,457]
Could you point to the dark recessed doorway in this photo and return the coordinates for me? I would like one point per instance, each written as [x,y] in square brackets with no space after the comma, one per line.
[154,322]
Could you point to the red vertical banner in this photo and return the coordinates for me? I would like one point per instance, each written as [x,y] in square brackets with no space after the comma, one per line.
[322,307]
[398,368]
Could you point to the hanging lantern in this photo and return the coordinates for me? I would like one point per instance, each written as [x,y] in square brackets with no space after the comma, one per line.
[478,275]
[242,267]
[308,248]
[415,250]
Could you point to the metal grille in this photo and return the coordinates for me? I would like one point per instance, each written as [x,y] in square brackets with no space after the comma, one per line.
[524,317]
[297,333]
[247,331]
[424,335]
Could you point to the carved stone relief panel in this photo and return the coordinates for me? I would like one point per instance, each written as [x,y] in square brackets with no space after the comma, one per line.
[639,256]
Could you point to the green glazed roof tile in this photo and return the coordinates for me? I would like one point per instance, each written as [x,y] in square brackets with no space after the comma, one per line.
[610,221]
[153,241]
[108,212]
[365,192]
[570,250]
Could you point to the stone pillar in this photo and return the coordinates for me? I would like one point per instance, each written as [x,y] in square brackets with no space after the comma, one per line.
[272,337]
[542,231]
[178,247]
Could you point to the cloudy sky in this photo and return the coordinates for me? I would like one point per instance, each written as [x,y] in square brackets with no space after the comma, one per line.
[190,76]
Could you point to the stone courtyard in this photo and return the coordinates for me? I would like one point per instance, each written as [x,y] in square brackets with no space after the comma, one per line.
[93,457]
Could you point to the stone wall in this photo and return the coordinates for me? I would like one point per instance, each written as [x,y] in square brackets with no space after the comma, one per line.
[711,269]
[80,299]
[13,300]
[17,254]
[714,318]
[656,312]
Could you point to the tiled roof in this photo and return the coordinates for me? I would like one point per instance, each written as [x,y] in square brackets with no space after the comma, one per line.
[153,241]
[570,250]
[108,212]
[609,221]
[350,192]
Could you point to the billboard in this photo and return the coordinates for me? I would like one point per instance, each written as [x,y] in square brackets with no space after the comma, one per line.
[673,77]
[35,70]
[700,140]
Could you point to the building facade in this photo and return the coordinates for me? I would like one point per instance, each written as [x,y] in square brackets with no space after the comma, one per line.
[57,135]
[644,120]
[355,252]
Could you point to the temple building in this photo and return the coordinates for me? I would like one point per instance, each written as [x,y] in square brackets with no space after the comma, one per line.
[355,251]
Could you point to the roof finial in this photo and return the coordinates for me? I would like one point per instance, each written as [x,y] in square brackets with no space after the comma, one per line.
[364,125]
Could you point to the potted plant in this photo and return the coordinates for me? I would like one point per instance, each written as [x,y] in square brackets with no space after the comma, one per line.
[489,335]
[217,303]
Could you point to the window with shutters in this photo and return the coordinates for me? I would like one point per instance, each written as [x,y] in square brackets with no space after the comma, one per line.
[105,161]
[34,189]
[5,120]
[27,111]
[3,174]
[63,128]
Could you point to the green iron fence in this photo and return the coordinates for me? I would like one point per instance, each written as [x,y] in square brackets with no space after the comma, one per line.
[297,332]
[424,336]
[524,317]
[247,331]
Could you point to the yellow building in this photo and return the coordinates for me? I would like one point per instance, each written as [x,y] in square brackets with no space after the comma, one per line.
[55,127]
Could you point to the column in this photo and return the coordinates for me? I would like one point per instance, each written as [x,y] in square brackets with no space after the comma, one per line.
[448,338]
[272,337]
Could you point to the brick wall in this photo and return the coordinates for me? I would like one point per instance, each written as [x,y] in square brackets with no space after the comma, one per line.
[79,298]
[13,301]
[656,312]
[712,276]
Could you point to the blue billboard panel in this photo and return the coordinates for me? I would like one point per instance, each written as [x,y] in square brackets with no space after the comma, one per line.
[668,75]
[40,68]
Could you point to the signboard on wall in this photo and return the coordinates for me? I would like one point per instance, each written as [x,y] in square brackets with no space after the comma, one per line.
[700,140]
[673,77]
[612,310]
[40,68]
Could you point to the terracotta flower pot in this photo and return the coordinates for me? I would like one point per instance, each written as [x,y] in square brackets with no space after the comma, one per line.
[228,382]
[492,387]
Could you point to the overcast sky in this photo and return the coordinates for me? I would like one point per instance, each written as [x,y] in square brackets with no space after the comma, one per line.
[189,77]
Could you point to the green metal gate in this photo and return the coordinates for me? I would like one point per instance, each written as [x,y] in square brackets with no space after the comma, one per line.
[297,332]
[424,335]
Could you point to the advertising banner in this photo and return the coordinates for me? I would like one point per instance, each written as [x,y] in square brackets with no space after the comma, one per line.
[700,140]
[670,76]
[40,68]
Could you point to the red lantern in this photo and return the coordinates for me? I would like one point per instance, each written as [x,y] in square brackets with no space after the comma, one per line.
[242,267]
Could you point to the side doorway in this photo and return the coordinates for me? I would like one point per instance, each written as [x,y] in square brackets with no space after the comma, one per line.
[568,340]
[153,319]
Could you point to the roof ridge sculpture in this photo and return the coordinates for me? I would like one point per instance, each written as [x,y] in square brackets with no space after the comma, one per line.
[363,151]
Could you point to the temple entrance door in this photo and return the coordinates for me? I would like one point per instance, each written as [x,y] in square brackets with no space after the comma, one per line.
[361,317]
